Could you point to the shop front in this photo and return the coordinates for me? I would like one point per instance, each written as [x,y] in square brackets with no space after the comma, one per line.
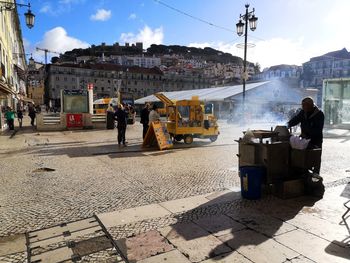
[336,101]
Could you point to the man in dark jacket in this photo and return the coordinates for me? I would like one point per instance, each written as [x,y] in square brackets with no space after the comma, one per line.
[32,114]
[121,116]
[145,119]
[311,120]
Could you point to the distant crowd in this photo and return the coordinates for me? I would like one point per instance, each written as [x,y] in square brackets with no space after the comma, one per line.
[10,115]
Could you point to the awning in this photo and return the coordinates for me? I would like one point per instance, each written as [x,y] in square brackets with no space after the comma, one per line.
[25,99]
[4,87]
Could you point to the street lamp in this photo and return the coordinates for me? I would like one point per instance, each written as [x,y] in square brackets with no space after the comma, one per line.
[250,18]
[10,6]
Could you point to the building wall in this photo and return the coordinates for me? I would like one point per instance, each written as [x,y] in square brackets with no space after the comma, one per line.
[11,56]
[106,82]
[36,84]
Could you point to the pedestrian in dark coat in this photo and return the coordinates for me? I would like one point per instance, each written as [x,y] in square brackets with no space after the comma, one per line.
[20,117]
[145,119]
[32,114]
[121,117]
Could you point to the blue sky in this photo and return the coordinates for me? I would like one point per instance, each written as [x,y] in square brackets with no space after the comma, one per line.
[288,31]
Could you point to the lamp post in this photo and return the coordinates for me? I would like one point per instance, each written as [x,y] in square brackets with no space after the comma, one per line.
[251,18]
[8,6]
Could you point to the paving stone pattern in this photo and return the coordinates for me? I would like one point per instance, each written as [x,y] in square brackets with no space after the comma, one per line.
[83,183]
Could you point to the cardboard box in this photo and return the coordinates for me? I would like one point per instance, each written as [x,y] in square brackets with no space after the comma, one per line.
[305,158]
[289,189]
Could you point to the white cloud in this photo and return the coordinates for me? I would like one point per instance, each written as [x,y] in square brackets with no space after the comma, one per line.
[46,9]
[132,16]
[57,40]
[55,8]
[267,52]
[101,15]
[145,35]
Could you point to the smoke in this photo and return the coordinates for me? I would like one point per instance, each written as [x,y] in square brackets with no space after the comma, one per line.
[267,106]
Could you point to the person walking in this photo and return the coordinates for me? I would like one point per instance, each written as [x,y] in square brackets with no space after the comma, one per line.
[121,117]
[20,117]
[145,119]
[10,118]
[32,114]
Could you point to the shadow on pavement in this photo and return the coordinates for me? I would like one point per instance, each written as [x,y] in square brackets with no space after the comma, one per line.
[108,148]
[237,224]
[332,248]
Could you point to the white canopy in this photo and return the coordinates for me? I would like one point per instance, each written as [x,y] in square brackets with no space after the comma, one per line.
[209,94]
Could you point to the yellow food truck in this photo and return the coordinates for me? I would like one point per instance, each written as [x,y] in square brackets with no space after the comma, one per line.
[188,119]
[101,105]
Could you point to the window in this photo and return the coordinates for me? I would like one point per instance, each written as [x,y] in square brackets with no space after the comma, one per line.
[57,78]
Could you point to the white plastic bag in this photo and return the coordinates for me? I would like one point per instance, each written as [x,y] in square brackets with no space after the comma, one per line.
[298,143]
[248,136]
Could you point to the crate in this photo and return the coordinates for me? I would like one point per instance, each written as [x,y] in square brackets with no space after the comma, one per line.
[305,159]
[289,188]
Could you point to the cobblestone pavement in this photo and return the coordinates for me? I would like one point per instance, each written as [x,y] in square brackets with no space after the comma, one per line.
[92,175]
[89,174]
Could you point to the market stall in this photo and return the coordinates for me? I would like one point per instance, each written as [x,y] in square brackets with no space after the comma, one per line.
[286,170]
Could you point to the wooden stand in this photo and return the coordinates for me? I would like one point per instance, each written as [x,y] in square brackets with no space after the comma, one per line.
[158,133]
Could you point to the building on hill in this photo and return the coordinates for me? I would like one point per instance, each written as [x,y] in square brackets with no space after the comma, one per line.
[179,78]
[280,72]
[335,64]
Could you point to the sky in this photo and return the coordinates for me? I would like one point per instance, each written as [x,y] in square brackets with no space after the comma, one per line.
[288,31]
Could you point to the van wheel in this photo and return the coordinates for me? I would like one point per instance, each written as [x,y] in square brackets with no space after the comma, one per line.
[178,138]
[188,139]
[213,138]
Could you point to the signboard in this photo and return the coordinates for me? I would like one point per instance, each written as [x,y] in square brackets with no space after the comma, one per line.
[75,101]
[90,86]
[74,120]
[157,132]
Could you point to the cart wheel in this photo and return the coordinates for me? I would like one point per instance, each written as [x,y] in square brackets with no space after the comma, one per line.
[178,138]
[188,139]
[213,138]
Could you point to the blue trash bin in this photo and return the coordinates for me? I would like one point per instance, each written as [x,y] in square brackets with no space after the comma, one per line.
[251,181]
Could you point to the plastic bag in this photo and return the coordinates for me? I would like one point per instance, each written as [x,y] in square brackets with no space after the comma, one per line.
[248,136]
[298,143]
